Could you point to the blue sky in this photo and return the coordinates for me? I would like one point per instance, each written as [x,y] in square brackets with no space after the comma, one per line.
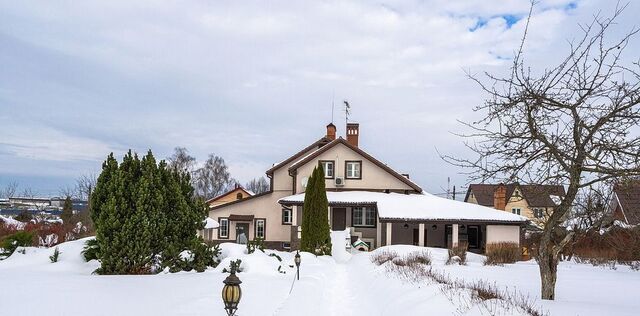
[254,82]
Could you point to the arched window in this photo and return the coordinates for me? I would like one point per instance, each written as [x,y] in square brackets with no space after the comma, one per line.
[239,196]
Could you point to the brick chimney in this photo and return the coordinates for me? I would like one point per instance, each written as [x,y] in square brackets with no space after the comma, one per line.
[331,131]
[353,131]
[500,197]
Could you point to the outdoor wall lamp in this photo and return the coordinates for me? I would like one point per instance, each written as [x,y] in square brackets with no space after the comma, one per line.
[297,261]
[406,226]
[231,292]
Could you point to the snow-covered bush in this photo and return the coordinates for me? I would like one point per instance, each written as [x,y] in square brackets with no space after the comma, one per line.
[381,257]
[257,243]
[237,263]
[501,253]
[422,257]
[458,254]
[10,243]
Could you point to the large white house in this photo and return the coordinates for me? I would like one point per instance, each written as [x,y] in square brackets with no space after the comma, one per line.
[377,204]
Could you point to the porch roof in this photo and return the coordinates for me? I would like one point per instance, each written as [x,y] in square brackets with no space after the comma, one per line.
[426,207]
[241,218]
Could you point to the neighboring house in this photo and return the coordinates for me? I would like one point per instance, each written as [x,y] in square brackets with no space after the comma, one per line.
[237,193]
[378,205]
[534,201]
[626,202]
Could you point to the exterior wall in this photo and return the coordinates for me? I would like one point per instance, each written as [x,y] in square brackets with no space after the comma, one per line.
[373,177]
[472,198]
[525,209]
[435,237]
[282,180]
[519,202]
[229,197]
[265,206]
[401,235]
[503,233]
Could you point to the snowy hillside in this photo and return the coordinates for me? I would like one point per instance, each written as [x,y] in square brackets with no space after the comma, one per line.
[32,285]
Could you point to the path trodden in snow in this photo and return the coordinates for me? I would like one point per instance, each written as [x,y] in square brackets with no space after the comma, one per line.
[352,287]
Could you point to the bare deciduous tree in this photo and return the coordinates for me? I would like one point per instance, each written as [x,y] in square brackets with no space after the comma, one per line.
[258,185]
[212,178]
[84,186]
[181,160]
[67,191]
[573,124]
[9,190]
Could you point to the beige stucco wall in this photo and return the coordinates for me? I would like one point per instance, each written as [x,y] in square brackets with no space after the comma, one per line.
[503,233]
[373,177]
[265,206]
[281,178]
[472,198]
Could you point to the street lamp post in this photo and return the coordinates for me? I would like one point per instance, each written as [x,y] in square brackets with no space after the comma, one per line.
[297,261]
[231,292]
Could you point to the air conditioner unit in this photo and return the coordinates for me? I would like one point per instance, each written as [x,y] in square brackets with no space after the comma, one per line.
[339,181]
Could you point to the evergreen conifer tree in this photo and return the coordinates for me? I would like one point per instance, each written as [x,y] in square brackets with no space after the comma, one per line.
[315,224]
[146,214]
[67,210]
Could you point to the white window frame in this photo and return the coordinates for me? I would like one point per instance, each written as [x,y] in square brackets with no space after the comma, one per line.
[516,210]
[351,172]
[290,216]
[224,223]
[538,213]
[264,224]
[365,212]
[326,170]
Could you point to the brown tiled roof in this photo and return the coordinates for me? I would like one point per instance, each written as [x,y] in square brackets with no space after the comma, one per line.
[537,195]
[628,194]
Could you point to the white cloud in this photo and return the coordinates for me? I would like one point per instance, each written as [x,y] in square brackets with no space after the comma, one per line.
[254,81]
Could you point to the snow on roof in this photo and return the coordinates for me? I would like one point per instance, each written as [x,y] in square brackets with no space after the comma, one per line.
[306,156]
[415,206]
[210,223]
[556,199]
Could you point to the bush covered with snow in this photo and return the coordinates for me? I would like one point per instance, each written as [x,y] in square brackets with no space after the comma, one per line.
[457,254]
[10,243]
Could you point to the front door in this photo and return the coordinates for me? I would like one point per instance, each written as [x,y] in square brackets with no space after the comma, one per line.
[339,219]
[242,233]
[473,236]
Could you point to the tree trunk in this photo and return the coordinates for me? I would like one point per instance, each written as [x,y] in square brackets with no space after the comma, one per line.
[548,264]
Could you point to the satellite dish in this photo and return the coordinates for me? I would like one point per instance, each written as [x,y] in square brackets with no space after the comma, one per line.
[305,180]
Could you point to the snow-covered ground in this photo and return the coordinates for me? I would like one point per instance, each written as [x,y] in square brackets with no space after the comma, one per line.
[31,285]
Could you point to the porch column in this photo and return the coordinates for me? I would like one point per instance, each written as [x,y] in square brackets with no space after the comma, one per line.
[421,234]
[378,233]
[329,217]
[388,234]
[294,215]
[454,235]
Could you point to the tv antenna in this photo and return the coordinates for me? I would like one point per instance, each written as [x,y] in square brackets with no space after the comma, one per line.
[347,111]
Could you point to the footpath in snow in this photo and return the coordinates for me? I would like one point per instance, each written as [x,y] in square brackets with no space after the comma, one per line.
[31,285]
